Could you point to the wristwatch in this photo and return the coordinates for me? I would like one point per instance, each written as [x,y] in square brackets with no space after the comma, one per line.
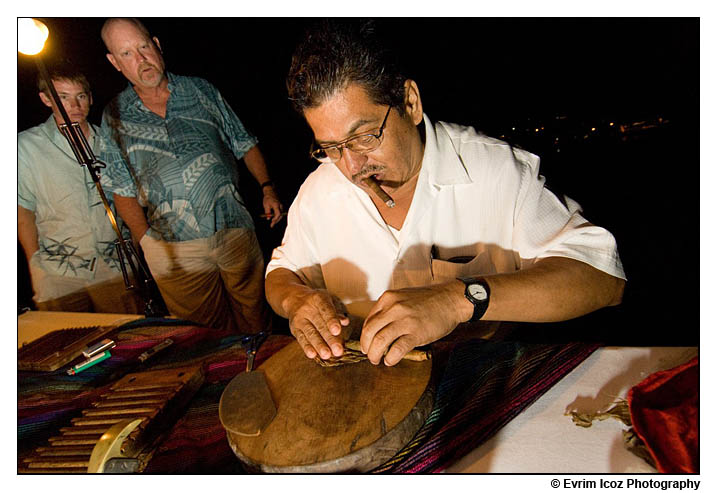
[477,292]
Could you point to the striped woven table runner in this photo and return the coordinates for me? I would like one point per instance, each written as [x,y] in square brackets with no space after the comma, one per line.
[485,385]
[480,387]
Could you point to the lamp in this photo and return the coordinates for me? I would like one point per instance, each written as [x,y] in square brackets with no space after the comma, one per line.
[32,35]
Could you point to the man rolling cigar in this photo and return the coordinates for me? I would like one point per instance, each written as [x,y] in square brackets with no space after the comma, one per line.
[435,222]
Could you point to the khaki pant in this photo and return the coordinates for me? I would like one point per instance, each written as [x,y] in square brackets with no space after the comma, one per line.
[216,281]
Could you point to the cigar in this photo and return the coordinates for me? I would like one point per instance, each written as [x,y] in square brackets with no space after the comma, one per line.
[374,185]
[413,355]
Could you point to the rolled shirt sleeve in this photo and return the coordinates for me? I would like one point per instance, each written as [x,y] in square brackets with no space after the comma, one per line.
[547,227]
[240,140]
[296,252]
[25,194]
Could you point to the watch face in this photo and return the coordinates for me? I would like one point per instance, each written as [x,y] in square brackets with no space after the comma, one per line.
[477,291]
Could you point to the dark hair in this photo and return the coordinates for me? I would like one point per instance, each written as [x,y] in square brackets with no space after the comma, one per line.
[337,52]
[64,70]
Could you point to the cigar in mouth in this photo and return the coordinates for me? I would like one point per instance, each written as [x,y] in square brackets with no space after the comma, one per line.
[374,185]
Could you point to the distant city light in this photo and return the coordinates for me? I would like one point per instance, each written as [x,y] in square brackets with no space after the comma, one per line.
[628,129]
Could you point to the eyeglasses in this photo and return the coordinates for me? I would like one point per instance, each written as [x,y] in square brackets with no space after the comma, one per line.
[359,143]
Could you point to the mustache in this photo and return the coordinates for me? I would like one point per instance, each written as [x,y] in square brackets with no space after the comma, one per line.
[145,65]
[366,173]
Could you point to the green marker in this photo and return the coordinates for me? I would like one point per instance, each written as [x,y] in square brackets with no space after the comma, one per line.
[88,363]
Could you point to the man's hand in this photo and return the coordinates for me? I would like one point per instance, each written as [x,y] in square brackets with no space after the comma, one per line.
[272,206]
[410,317]
[316,319]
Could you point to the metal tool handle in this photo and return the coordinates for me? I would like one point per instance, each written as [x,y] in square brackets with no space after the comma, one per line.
[251,343]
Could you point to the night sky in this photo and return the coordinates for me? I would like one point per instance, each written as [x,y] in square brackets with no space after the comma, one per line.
[494,74]
[470,70]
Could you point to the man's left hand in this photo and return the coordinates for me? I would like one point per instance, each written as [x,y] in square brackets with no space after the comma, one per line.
[272,206]
[405,318]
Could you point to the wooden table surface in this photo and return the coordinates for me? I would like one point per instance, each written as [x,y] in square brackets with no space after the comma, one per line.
[34,324]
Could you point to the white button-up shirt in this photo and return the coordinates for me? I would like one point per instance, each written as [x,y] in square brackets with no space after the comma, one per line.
[479,208]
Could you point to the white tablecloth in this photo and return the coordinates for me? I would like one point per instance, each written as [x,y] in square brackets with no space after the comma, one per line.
[543,440]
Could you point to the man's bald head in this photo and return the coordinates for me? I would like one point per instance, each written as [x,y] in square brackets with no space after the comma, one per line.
[113,21]
[133,52]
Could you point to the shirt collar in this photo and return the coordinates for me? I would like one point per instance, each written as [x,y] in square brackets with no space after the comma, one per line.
[50,128]
[172,83]
[441,161]
[53,132]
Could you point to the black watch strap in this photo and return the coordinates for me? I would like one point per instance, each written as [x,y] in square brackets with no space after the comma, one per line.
[480,305]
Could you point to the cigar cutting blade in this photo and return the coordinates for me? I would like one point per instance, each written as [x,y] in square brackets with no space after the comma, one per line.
[246,406]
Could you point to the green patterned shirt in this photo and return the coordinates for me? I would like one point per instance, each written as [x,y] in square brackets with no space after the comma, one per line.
[182,167]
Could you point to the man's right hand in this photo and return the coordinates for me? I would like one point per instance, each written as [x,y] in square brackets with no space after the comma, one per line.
[316,319]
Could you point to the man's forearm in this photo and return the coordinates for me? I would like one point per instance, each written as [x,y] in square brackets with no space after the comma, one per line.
[554,289]
[132,214]
[279,288]
[256,165]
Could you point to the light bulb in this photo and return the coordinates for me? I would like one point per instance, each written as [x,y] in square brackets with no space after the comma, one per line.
[31,36]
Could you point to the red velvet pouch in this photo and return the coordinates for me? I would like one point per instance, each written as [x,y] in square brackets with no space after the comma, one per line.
[664,414]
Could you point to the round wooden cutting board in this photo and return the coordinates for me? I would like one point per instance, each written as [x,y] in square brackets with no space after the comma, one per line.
[336,419]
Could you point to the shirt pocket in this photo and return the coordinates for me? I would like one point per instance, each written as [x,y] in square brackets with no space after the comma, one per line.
[447,270]
[471,260]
